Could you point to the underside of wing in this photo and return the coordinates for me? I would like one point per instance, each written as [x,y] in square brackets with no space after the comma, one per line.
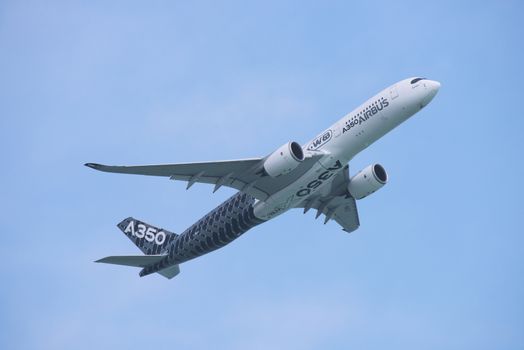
[230,173]
[184,171]
[245,175]
[341,209]
[337,205]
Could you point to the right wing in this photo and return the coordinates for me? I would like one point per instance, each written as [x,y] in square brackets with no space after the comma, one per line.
[244,175]
[342,209]
[337,204]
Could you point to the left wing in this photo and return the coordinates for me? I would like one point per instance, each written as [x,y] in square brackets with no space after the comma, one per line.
[244,175]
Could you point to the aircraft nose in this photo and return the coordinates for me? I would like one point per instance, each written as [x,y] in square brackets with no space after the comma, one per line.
[432,87]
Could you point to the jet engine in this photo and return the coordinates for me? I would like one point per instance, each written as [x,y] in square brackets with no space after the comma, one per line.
[284,160]
[367,181]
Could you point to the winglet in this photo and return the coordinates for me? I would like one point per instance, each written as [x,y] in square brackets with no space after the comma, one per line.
[93,166]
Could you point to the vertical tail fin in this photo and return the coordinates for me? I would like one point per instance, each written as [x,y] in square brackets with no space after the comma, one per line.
[149,239]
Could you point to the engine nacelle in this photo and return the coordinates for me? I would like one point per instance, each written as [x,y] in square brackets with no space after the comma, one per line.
[367,181]
[284,160]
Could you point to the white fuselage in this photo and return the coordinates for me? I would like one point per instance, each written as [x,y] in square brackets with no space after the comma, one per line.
[346,138]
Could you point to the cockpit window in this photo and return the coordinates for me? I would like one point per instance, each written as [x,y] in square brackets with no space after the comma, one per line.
[416,80]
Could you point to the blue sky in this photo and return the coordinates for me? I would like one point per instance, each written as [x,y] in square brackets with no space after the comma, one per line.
[438,262]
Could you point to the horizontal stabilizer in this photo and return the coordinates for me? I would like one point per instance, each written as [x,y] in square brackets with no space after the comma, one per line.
[132,260]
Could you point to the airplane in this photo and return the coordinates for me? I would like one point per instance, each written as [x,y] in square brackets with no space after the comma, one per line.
[313,176]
